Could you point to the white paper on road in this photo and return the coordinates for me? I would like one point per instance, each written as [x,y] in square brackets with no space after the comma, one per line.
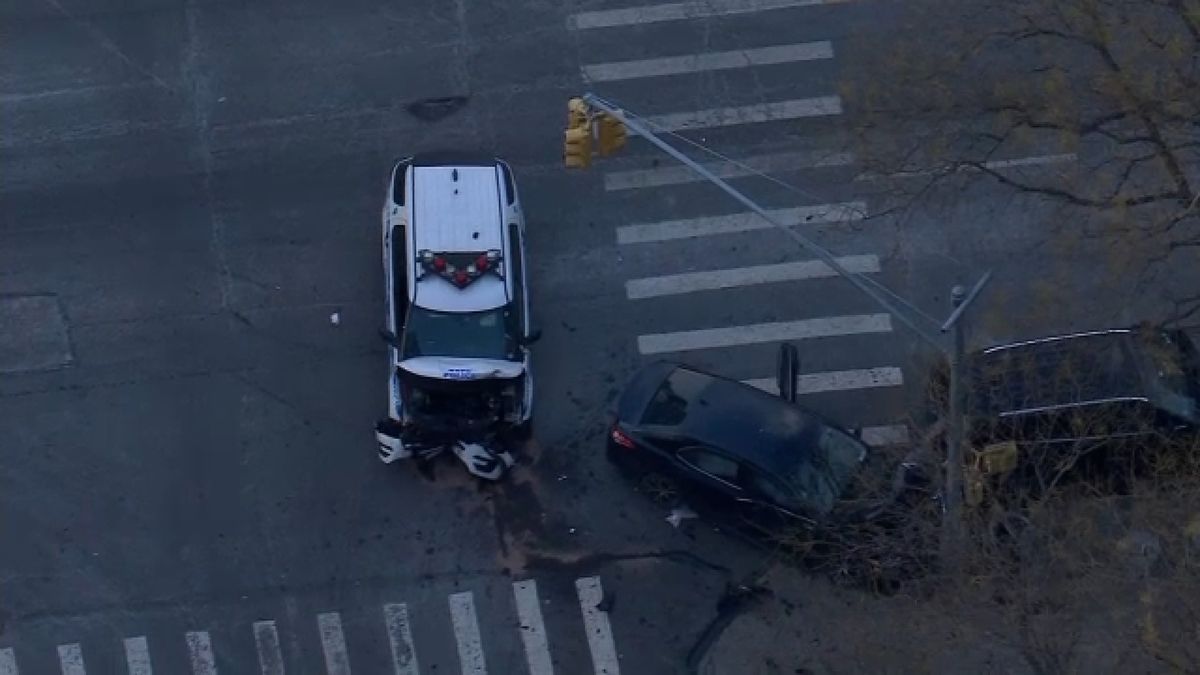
[8,662]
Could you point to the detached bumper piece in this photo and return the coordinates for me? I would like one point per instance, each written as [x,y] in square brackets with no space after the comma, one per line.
[483,459]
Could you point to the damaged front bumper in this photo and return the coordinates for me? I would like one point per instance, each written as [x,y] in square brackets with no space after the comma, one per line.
[483,458]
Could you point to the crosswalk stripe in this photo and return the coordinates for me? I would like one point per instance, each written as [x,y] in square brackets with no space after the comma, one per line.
[333,643]
[466,634]
[738,222]
[70,659]
[533,629]
[200,653]
[674,11]
[708,280]
[773,111]
[8,662]
[404,655]
[836,380]
[730,336]
[894,434]
[677,175]
[266,641]
[995,165]
[595,623]
[707,61]
[137,656]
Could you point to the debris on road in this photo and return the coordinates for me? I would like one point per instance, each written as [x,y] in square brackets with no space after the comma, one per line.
[679,514]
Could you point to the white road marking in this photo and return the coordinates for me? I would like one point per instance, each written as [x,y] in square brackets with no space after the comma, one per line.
[677,175]
[266,640]
[836,380]
[404,655]
[533,629]
[70,659]
[674,11]
[333,643]
[137,656]
[773,111]
[894,434]
[708,280]
[8,662]
[200,653]
[995,165]
[738,222]
[730,336]
[466,634]
[706,61]
[595,623]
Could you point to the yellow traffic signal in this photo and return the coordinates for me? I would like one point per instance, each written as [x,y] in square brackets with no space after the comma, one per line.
[577,144]
[610,134]
[577,151]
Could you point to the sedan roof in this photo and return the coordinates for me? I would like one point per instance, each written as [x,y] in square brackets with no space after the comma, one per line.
[728,415]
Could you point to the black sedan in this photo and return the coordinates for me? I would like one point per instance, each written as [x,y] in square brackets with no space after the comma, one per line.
[726,448]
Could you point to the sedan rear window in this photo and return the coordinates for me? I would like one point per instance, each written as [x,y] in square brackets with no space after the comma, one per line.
[670,404]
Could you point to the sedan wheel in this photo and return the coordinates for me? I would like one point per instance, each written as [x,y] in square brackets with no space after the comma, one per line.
[661,490]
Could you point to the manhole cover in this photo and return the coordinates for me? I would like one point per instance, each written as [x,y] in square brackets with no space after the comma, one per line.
[33,334]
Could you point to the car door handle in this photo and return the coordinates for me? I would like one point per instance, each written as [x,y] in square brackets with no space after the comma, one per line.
[744,500]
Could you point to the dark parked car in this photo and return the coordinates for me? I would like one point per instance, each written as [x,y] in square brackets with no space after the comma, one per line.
[1087,405]
[728,449]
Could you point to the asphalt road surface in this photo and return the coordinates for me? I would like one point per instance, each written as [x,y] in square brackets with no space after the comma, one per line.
[188,481]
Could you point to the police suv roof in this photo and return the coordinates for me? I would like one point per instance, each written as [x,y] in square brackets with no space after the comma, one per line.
[456,208]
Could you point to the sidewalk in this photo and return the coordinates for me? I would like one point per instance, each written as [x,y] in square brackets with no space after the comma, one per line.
[808,627]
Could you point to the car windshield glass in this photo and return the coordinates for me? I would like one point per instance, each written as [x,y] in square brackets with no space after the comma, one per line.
[829,460]
[479,335]
[1168,374]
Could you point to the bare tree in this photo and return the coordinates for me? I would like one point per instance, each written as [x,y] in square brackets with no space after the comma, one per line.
[1104,94]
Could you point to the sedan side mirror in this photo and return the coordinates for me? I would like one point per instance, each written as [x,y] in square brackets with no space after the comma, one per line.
[532,337]
[390,338]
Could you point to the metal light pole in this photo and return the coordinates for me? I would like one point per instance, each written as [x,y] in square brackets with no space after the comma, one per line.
[953,485]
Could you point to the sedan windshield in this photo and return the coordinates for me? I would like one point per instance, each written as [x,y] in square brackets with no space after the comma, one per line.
[829,460]
[478,335]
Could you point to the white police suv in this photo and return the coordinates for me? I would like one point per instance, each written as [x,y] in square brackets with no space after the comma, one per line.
[457,311]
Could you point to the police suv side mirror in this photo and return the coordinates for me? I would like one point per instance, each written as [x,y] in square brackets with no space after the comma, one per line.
[390,338]
[532,337]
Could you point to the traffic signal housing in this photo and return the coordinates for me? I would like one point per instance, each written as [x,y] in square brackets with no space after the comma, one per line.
[577,140]
[610,134]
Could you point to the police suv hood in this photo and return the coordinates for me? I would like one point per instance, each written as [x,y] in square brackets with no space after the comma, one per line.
[453,368]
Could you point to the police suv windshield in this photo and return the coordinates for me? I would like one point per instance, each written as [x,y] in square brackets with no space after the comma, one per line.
[473,335]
